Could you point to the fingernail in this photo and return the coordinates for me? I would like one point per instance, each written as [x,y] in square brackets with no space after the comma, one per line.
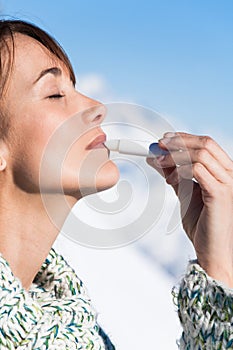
[169,134]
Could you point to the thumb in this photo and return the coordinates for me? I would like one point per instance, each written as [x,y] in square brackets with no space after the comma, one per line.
[170,174]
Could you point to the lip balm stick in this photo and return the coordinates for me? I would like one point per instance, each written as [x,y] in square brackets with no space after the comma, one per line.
[135,147]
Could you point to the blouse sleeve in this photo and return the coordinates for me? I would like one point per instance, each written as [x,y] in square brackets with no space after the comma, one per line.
[205,310]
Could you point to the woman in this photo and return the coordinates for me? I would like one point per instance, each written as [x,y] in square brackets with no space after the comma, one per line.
[44,305]
[51,310]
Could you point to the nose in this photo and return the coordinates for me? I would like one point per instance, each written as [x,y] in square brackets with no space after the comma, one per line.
[94,115]
[92,112]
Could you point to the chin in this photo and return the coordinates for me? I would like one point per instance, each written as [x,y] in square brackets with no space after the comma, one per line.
[93,181]
[107,176]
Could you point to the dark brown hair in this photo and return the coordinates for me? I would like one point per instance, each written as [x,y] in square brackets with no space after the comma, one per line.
[7,30]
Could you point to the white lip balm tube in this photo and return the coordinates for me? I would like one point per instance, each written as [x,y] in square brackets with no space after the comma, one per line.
[135,147]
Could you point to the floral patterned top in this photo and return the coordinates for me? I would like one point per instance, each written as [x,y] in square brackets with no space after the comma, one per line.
[56,312]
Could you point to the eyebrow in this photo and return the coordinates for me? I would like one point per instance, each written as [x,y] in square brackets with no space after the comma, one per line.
[53,70]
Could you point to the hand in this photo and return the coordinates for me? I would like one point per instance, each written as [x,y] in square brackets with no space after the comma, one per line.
[207,203]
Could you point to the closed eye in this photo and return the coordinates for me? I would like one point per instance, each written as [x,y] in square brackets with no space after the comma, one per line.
[55,96]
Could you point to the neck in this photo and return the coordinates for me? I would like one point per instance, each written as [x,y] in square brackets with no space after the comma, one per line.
[28,229]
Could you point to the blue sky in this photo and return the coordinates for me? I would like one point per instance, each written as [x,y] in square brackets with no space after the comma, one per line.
[172,56]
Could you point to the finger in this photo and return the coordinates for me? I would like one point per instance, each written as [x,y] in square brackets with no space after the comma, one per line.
[205,180]
[201,156]
[183,141]
[153,162]
[197,171]
[170,174]
[174,158]
[189,172]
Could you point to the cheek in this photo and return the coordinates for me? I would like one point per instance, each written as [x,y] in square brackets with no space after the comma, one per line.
[61,154]
[29,144]
[51,155]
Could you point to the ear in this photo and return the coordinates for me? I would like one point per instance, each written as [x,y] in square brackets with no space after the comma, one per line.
[2,163]
[4,152]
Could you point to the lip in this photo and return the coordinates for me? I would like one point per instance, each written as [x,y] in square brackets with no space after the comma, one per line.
[97,142]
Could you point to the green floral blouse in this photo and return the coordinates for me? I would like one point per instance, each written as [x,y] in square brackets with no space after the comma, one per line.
[56,313]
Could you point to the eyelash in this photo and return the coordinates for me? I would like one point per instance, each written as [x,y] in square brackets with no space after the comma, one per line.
[55,96]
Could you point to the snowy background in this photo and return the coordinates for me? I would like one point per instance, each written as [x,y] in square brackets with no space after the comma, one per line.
[171,56]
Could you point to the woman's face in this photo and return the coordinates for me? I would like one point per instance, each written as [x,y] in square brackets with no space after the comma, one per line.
[53,127]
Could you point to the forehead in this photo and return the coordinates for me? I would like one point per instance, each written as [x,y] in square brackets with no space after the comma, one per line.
[31,57]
